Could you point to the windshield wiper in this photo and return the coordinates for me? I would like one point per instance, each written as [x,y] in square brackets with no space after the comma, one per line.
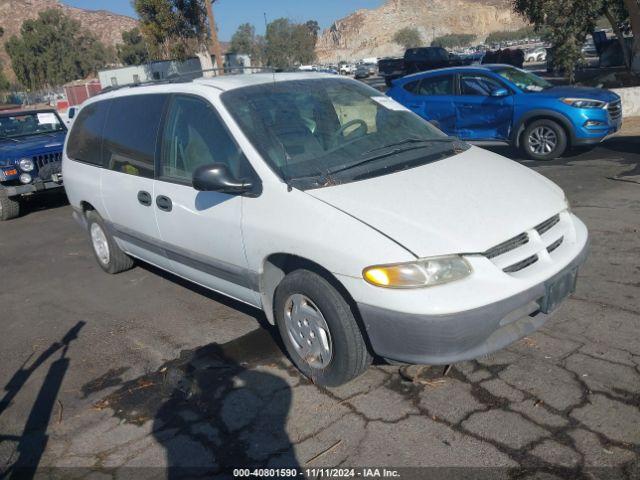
[410,140]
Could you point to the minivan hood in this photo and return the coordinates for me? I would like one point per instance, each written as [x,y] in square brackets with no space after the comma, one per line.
[580,92]
[467,203]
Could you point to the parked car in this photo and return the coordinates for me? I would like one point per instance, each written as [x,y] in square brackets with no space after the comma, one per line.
[428,58]
[362,71]
[390,69]
[358,227]
[346,69]
[504,103]
[536,55]
[30,156]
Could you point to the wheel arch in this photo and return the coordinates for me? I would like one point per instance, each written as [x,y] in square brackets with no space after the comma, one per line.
[277,265]
[541,114]
[86,207]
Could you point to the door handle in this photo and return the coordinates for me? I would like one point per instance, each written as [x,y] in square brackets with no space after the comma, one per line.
[164,203]
[144,198]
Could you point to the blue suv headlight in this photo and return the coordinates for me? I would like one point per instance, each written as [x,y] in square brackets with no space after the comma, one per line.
[583,102]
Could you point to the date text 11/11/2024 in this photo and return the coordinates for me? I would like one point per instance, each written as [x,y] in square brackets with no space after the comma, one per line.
[316,473]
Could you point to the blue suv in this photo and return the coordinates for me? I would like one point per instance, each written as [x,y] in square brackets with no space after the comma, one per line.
[504,103]
[30,156]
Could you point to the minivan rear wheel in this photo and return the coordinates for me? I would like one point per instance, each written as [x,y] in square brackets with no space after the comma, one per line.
[9,207]
[319,330]
[109,256]
[544,140]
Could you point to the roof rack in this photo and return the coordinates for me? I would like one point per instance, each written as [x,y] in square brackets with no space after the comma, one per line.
[186,77]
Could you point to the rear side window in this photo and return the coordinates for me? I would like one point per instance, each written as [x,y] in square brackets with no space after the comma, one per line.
[436,86]
[412,87]
[85,139]
[131,132]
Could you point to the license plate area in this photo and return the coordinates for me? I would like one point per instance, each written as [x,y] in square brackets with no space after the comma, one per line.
[558,290]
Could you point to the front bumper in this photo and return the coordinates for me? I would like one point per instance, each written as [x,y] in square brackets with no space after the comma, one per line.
[449,338]
[37,186]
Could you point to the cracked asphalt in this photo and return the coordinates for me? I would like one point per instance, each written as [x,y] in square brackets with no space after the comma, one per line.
[101,374]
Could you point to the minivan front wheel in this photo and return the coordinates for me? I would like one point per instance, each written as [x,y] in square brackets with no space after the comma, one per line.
[319,329]
[544,140]
[109,256]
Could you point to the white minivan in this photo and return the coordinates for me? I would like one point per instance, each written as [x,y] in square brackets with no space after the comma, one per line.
[360,229]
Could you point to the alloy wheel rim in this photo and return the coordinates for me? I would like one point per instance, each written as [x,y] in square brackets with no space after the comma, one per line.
[308,331]
[100,243]
[543,140]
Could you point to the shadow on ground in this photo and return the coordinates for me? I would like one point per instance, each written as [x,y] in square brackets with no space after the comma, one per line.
[33,441]
[214,408]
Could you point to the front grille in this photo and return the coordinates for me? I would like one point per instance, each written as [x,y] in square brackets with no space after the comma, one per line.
[555,245]
[507,246]
[47,158]
[615,109]
[548,224]
[521,265]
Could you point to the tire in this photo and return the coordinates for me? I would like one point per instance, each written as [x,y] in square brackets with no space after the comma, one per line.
[114,260]
[348,355]
[544,140]
[9,207]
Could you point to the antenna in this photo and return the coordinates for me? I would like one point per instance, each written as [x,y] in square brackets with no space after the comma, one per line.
[266,27]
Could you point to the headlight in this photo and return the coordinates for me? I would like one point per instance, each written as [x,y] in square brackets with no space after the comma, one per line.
[421,273]
[26,164]
[583,102]
[25,178]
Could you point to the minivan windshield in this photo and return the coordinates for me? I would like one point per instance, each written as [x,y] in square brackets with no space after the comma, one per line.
[32,123]
[525,80]
[320,132]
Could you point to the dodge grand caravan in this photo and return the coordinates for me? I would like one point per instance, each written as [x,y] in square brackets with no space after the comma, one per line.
[358,227]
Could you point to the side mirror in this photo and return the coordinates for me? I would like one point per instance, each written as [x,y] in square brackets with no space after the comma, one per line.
[500,92]
[216,177]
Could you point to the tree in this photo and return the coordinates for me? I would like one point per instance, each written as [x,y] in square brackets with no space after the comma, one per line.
[173,29]
[568,22]
[633,9]
[4,82]
[314,29]
[408,37]
[500,36]
[244,39]
[453,40]
[288,44]
[53,49]
[133,50]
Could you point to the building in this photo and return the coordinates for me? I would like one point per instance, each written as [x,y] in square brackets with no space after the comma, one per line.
[159,70]
[80,90]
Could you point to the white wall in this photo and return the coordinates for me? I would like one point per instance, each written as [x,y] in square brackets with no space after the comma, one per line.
[630,101]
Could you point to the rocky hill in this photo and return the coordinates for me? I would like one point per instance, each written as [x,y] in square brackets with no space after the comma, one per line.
[107,26]
[369,33]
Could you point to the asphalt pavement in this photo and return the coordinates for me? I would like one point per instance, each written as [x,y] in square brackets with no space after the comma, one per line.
[100,374]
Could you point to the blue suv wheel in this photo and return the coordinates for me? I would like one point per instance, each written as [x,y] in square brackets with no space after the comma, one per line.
[544,140]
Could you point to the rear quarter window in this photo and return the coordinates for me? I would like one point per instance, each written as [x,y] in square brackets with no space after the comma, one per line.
[131,134]
[85,139]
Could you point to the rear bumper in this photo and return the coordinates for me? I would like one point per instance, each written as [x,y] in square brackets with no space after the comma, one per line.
[35,187]
[445,339]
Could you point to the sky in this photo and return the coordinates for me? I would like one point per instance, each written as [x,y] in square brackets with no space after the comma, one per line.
[231,13]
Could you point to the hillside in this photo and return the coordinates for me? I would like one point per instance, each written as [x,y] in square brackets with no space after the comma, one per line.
[107,26]
[369,33]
